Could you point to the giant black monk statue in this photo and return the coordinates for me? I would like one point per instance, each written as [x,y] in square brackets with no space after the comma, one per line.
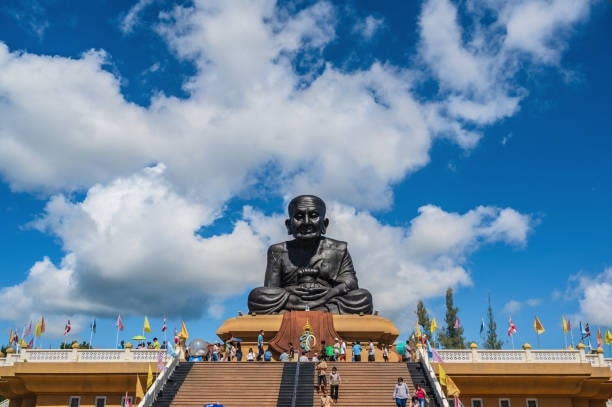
[310,272]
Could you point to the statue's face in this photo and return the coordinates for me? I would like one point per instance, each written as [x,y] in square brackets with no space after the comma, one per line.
[307,220]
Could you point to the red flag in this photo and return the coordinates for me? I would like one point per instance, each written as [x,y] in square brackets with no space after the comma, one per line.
[128,401]
[67,328]
[164,326]
[42,325]
[119,323]
[511,327]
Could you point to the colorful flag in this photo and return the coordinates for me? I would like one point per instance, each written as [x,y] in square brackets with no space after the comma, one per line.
[433,326]
[584,332]
[42,325]
[31,343]
[458,402]
[160,361]
[569,325]
[481,326]
[608,338]
[164,326]
[599,338]
[128,401]
[93,326]
[67,328]
[171,350]
[146,327]
[436,355]
[564,325]
[538,327]
[149,376]
[37,329]
[457,324]
[451,387]
[11,336]
[184,333]
[119,323]
[139,391]
[441,375]
[511,327]
[28,330]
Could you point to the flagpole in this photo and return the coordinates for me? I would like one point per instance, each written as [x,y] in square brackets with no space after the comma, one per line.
[117,339]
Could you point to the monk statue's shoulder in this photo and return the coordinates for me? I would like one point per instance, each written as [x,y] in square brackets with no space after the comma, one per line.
[278,248]
[333,244]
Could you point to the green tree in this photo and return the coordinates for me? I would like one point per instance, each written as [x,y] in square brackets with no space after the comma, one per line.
[452,336]
[423,319]
[492,341]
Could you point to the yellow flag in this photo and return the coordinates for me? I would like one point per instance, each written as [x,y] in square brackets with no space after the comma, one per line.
[538,327]
[147,326]
[564,324]
[37,329]
[442,375]
[184,334]
[434,325]
[139,391]
[608,337]
[451,387]
[149,377]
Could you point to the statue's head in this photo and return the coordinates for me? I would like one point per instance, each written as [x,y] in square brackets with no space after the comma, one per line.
[306,217]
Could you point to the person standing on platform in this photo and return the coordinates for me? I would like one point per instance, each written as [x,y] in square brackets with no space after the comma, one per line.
[268,355]
[260,345]
[342,350]
[250,355]
[400,393]
[336,349]
[385,352]
[371,352]
[357,352]
[238,351]
[291,351]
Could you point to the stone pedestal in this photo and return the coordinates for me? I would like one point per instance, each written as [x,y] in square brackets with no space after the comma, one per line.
[279,330]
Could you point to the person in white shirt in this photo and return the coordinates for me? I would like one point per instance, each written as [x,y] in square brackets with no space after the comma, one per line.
[400,393]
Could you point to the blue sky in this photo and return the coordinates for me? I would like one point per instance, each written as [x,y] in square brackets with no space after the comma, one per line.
[148,149]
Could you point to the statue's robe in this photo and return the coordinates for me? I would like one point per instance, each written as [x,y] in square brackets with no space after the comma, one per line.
[331,258]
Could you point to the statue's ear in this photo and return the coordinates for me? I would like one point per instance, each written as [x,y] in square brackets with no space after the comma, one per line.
[288,225]
[325,224]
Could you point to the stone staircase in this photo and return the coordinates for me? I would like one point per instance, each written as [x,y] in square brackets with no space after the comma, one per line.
[271,384]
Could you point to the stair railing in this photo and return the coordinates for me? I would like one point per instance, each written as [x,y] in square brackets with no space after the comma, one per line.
[159,383]
[296,378]
[431,376]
